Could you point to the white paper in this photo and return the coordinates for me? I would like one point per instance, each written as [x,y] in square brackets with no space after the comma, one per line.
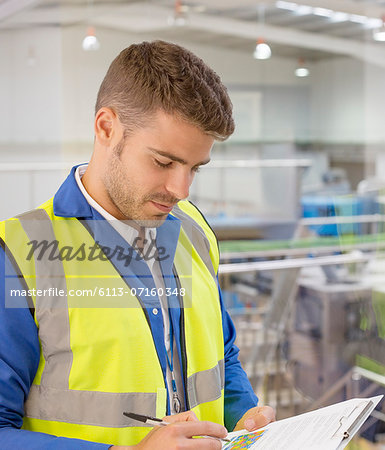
[322,429]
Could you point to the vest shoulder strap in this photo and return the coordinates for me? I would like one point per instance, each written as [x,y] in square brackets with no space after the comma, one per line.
[199,232]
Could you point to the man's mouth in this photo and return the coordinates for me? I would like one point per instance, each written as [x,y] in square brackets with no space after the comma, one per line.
[163,207]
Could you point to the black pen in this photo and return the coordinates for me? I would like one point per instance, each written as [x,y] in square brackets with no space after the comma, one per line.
[155,422]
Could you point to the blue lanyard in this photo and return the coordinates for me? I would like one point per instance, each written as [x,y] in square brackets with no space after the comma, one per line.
[175,398]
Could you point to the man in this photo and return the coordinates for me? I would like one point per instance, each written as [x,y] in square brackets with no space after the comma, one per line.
[111,302]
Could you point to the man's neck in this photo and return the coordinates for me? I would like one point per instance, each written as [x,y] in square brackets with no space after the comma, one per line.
[93,185]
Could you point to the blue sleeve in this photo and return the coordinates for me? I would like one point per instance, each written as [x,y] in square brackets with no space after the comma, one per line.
[239,395]
[19,360]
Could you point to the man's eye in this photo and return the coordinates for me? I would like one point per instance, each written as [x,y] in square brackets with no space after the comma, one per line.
[196,169]
[158,163]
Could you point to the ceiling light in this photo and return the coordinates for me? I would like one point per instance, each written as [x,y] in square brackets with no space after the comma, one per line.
[262,50]
[335,16]
[177,21]
[303,10]
[339,16]
[179,18]
[356,18]
[379,33]
[374,23]
[323,12]
[301,71]
[90,42]
[290,6]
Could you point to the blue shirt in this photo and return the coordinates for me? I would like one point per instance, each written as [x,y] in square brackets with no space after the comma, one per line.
[20,350]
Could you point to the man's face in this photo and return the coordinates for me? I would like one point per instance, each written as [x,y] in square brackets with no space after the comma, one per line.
[152,169]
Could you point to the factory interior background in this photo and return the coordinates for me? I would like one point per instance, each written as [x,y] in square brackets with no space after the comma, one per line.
[296,196]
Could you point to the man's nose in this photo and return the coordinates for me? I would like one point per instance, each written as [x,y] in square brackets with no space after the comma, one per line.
[179,182]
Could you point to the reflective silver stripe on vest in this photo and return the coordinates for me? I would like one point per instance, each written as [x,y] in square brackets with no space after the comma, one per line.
[197,237]
[102,409]
[206,386]
[51,312]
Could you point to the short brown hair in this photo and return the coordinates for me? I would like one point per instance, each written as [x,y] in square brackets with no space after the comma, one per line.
[156,75]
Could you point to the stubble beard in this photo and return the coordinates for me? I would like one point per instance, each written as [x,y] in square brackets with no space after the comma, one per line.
[125,197]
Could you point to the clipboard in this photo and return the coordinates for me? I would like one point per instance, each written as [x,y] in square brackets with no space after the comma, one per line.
[346,432]
[329,428]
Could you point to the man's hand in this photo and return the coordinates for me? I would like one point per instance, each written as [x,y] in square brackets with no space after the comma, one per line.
[179,434]
[256,418]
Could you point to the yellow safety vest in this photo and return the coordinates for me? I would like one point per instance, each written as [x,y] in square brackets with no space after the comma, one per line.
[98,357]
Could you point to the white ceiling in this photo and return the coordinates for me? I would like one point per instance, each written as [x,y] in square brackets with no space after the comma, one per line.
[219,23]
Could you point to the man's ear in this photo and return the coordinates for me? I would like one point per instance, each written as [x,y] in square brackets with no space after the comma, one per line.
[107,127]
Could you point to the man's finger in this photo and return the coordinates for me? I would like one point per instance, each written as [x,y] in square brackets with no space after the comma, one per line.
[205,444]
[185,416]
[260,418]
[192,428]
